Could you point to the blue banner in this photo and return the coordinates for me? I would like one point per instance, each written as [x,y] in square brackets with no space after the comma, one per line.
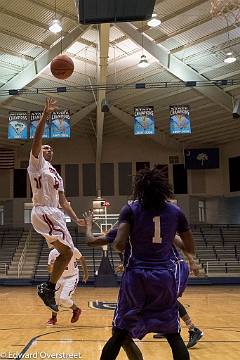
[34,120]
[202,158]
[60,124]
[180,119]
[18,125]
[144,123]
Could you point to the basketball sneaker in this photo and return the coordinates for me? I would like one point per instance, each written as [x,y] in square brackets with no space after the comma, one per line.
[48,296]
[194,336]
[158,336]
[52,321]
[75,315]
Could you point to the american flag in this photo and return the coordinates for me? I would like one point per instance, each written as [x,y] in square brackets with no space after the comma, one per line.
[7,158]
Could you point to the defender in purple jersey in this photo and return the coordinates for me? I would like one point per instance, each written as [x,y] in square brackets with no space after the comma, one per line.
[181,276]
[148,294]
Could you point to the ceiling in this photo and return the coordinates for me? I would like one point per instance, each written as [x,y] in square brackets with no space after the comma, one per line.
[190,44]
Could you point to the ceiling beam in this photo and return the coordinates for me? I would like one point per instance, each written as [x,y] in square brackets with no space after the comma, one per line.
[81,114]
[39,24]
[32,70]
[213,133]
[104,32]
[229,139]
[51,8]
[26,39]
[169,17]
[16,53]
[24,18]
[163,139]
[205,38]
[218,124]
[175,66]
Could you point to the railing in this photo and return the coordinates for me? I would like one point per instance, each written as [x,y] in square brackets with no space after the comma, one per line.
[22,257]
[226,266]
[3,268]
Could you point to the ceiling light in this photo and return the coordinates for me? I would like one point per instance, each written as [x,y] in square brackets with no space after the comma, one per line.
[230,58]
[143,63]
[55,26]
[153,22]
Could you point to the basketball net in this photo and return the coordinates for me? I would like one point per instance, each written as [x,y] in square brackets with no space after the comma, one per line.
[224,7]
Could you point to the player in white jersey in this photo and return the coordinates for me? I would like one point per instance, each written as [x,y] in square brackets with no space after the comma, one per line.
[47,219]
[67,283]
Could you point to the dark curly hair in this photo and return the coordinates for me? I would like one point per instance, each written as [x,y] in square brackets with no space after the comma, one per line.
[151,188]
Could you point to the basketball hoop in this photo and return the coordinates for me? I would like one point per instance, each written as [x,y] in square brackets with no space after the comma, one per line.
[224,7]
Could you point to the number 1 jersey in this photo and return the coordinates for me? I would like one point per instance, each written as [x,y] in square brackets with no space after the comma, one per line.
[152,233]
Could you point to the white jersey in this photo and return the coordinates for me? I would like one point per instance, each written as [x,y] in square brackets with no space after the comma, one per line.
[45,181]
[72,268]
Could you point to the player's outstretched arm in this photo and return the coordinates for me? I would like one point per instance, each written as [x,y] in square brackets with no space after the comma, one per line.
[85,269]
[194,268]
[188,242]
[37,141]
[91,239]
[50,268]
[122,237]
[68,209]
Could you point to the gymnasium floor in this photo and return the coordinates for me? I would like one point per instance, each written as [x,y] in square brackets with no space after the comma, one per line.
[23,330]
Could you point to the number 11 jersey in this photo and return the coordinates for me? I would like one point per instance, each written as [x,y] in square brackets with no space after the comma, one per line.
[45,181]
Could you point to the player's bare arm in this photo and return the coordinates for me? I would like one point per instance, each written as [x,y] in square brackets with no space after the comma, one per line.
[194,268]
[188,242]
[122,237]
[37,141]
[85,269]
[68,209]
[91,239]
[50,268]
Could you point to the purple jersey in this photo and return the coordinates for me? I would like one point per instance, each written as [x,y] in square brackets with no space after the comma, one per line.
[151,234]
[155,274]
[180,267]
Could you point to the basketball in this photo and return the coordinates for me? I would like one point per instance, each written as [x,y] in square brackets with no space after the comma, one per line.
[62,67]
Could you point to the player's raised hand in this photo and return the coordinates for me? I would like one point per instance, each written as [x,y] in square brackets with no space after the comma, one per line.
[88,216]
[50,105]
[80,222]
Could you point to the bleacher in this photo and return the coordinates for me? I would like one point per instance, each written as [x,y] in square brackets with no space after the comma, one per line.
[9,240]
[217,248]
[217,251]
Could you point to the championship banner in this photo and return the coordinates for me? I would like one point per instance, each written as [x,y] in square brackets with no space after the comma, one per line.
[144,123]
[34,120]
[60,124]
[180,119]
[18,125]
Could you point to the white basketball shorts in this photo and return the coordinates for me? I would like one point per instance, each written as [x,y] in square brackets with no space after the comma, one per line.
[65,288]
[50,223]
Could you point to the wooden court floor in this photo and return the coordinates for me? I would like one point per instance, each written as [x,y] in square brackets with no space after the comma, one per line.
[24,334]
